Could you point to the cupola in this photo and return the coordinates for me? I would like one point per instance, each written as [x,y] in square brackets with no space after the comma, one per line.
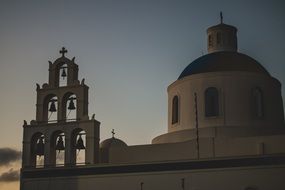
[222,37]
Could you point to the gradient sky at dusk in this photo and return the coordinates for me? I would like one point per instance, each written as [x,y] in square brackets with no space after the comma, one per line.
[128,51]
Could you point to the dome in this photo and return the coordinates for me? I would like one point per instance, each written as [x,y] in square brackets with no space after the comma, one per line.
[112,142]
[223,61]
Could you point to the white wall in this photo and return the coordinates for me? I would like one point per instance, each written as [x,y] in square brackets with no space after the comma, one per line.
[263,178]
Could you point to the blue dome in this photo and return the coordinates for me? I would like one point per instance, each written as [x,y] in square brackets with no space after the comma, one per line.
[223,61]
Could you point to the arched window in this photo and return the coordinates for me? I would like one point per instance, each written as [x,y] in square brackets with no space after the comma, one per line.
[50,108]
[258,107]
[211,102]
[69,107]
[78,152]
[210,40]
[57,149]
[37,150]
[63,72]
[219,38]
[175,109]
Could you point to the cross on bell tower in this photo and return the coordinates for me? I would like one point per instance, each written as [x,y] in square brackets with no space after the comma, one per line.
[63,51]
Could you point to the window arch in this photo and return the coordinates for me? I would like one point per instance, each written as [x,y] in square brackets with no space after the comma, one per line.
[78,151]
[211,102]
[69,107]
[210,40]
[37,150]
[50,108]
[57,148]
[258,106]
[175,109]
[219,38]
[63,74]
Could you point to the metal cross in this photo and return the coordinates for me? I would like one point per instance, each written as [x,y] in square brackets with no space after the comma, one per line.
[221,17]
[63,51]
[113,133]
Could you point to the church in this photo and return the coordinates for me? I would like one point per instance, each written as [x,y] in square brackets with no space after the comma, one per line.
[225,130]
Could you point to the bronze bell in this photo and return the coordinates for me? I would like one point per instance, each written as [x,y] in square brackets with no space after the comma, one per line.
[71,105]
[40,147]
[59,144]
[52,107]
[79,145]
[63,73]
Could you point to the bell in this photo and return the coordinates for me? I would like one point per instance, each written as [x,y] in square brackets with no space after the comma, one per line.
[71,105]
[59,144]
[79,145]
[63,73]
[52,107]
[40,147]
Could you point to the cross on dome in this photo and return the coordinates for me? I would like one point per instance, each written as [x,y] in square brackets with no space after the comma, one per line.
[221,17]
[63,51]
[113,133]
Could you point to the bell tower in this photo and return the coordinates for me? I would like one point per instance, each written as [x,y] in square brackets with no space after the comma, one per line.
[62,134]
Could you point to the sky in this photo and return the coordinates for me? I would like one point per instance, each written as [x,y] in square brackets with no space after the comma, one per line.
[128,51]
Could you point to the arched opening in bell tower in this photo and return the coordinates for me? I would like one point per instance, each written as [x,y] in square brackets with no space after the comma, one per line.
[63,75]
[57,149]
[37,150]
[69,107]
[79,148]
[50,108]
